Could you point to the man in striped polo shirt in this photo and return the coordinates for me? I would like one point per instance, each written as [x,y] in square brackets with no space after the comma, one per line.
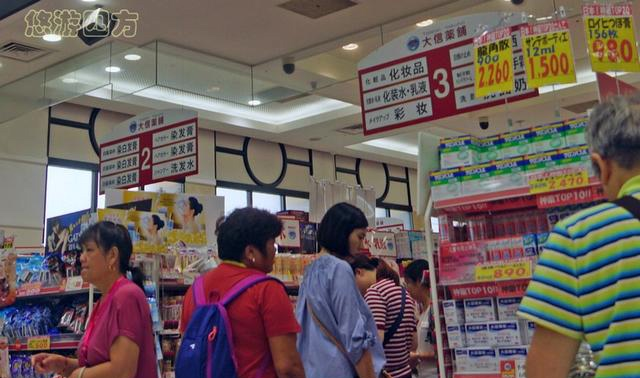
[586,286]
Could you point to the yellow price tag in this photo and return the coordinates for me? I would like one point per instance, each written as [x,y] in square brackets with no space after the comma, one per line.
[39,343]
[501,271]
[611,37]
[548,56]
[564,179]
[493,63]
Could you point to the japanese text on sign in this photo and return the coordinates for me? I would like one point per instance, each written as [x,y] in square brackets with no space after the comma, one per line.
[68,22]
[611,37]
[506,270]
[563,179]
[39,343]
[548,54]
[395,74]
[493,61]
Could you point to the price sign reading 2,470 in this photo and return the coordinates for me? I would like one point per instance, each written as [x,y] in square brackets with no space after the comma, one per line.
[493,55]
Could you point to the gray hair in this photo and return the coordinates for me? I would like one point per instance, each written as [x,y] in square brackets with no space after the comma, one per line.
[614,130]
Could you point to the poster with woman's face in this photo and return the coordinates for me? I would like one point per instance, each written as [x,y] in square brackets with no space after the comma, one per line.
[147,230]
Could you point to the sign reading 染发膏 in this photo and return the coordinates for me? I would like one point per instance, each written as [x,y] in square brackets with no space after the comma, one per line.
[493,62]
[429,74]
[548,53]
[152,147]
[611,37]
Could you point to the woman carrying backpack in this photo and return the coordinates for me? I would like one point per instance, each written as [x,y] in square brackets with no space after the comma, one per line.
[338,338]
[394,313]
[118,340]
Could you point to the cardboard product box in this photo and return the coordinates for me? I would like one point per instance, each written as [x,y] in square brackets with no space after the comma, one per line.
[518,354]
[575,132]
[540,163]
[456,336]
[477,360]
[477,179]
[418,244]
[529,329]
[490,149]
[548,137]
[477,334]
[517,144]
[508,307]
[479,310]
[541,239]
[524,246]
[509,174]
[445,184]
[459,152]
[505,333]
[453,311]
[576,157]
[403,246]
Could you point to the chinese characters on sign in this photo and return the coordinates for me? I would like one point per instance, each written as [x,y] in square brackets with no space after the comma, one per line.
[493,62]
[611,37]
[427,76]
[150,148]
[548,53]
[67,22]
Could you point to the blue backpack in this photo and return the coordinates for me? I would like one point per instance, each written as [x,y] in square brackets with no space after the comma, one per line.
[206,350]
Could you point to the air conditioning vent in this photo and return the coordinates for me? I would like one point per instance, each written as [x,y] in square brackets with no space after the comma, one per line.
[351,130]
[316,8]
[21,51]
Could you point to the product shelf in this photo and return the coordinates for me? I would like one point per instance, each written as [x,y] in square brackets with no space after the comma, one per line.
[36,292]
[476,375]
[56,342]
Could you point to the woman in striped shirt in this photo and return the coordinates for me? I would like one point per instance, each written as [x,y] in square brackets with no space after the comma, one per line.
[394,313]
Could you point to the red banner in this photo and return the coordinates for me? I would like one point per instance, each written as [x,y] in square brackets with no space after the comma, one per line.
[570,197]
[515,288]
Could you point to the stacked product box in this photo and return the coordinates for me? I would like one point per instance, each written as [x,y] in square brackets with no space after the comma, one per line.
[517,143]
[490,148]
[575,132]
[459,152]
[446,184]
[476,179]
[548,137]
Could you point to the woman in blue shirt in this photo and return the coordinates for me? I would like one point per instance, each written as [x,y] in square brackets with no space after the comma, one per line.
[339,335]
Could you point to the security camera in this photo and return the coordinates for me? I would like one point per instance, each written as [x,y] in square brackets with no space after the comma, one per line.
[483,122]
[288,66]
[517,2]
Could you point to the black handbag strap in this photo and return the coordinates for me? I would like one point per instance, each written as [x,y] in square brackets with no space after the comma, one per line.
[631,204]
[388,334]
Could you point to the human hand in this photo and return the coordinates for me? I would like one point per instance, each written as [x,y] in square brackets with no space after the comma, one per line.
[49,363]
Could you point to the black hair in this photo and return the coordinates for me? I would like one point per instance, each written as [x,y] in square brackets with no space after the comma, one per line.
[219,221]
[415,272]
[195,206]
[107,235]
[245,227]
[157,221]
[363,262]
[336,226]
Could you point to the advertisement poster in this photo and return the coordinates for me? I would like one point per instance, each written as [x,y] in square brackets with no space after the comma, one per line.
[147,230]
[62,247]
[190,218]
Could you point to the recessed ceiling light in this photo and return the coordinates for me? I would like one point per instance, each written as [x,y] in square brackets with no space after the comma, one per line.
[254,102]
[52,37]
[544,18]
[69,80]
[350,46]
[112,69]
[132,57]
[89,1]
[424,23]
[213,89]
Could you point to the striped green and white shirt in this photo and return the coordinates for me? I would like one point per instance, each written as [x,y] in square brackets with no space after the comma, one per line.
[587,284]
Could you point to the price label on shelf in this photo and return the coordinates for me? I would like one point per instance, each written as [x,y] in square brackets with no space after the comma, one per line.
[501,271]
[32,288]
[548,55]
[611,37]
[493,62]
[73,284]
[39,343]
[564,179]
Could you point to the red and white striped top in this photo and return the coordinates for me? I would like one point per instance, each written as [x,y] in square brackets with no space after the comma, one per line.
[384,300]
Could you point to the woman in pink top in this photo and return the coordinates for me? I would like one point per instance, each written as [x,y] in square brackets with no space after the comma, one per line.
[118,341]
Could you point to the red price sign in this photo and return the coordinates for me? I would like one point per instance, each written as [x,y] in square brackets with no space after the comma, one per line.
[493,53]
[611,37]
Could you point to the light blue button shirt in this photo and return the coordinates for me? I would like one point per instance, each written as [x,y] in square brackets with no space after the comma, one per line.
[329,286]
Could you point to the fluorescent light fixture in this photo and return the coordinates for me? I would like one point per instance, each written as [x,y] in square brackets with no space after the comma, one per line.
[254,102]
[132,57]
[544,18]
[424,23]
[350,46]
[113,69]
[393,145]
[89,1]
[52,37]
[69,80]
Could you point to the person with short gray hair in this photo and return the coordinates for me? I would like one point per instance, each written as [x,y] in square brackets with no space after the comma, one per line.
[586,286]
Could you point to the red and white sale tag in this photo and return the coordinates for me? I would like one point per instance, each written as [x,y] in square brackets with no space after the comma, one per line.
[74,284]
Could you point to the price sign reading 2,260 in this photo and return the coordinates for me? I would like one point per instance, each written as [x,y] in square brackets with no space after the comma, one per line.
[493,56]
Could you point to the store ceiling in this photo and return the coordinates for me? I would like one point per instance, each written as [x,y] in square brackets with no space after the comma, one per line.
[259,33]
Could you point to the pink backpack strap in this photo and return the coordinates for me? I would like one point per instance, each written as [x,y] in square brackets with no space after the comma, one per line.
[243,285]
[198,292]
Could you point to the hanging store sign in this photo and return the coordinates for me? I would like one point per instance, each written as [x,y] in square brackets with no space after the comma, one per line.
[429,74]
[548,55]
[155,146]
[611,37]
[493,62]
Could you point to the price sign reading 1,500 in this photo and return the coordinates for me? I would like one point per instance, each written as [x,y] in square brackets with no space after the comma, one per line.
[493,71]
[545,65]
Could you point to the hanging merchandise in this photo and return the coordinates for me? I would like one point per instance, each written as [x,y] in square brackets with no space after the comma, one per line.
[324,194]
[548,54]
[493,62]
[611,37]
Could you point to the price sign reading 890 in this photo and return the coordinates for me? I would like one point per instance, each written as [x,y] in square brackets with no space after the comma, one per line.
[611,37]
[548,54]
[493,61]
